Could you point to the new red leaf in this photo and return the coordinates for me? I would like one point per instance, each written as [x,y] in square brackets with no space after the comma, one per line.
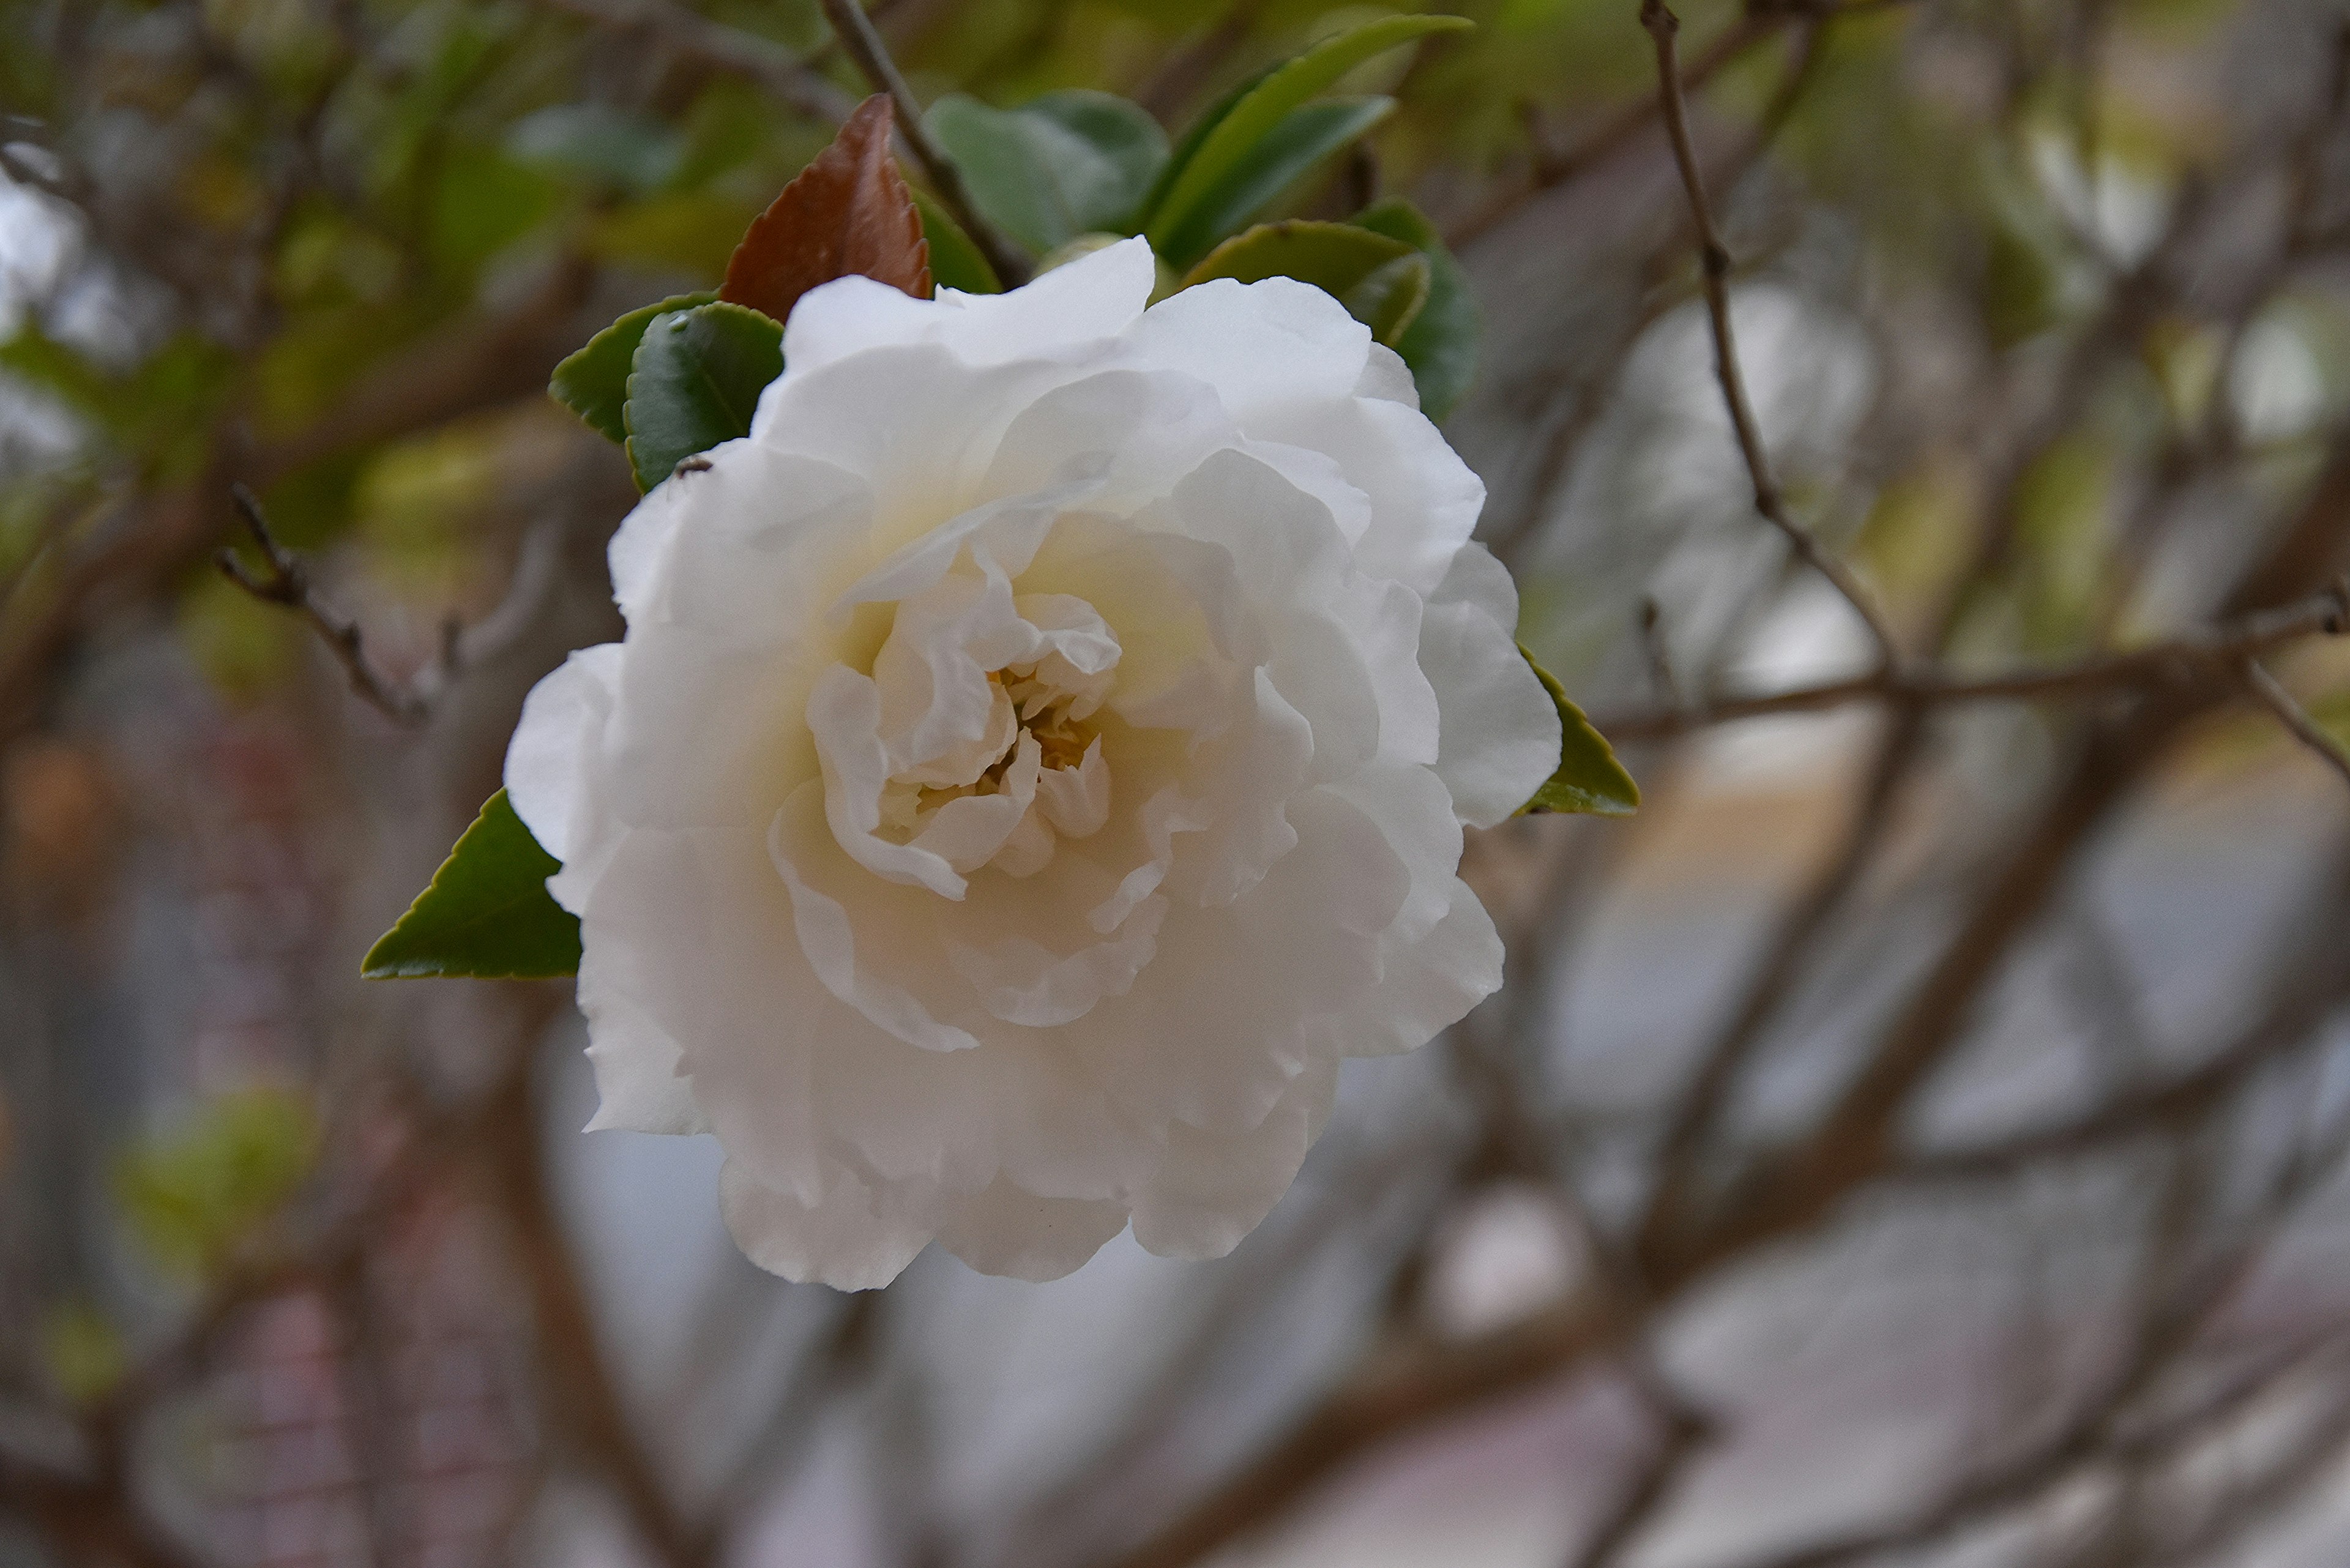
[849,212]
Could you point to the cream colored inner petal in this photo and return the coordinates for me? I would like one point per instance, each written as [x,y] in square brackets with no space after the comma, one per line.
[986,715]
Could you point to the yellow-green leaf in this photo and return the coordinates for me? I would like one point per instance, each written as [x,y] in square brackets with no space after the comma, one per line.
[1589,778]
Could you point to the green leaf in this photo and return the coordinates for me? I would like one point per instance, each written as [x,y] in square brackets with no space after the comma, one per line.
[1440,343]
[1302,139]
[487,914]
[696,382]
[1381,282]
[1212,151]
[955,262]
[1389,296]
[1589,778]
[1065,164]
[593,381]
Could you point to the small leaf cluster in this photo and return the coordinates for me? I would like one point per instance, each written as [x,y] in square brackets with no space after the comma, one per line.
[1066,168]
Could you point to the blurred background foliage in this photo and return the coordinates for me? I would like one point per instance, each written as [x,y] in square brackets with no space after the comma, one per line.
[2044,309]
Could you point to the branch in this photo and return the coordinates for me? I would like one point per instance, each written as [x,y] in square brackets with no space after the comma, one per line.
[2192,655]
[462,647]
[722,48]
[288,583]
[2271,694]
[1714,265]
[864,46]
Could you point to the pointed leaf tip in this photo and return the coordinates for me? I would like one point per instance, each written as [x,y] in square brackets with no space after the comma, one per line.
[849,212]
[1589,779]
[487,913]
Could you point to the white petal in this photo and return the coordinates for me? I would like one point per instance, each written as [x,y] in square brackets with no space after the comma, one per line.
[1264,347]
[848,1240]
[1427,986]
[641,1078]
[1213,1188]
[1008,1231]
[1093,297]
[828,941]
[553,766]
[1500,729]
[1075,801]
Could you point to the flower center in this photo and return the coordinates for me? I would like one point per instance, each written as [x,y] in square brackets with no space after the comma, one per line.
[1040,711]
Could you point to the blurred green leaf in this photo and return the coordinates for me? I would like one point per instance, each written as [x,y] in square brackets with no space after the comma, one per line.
[601,142]
[1302,139]
[593,381]
[481,201]
[695,381]
[690,232]
[1382,282]
[1440,343]
[193,1194]
[1062,165]
[955,262]
[83,1352]
[1211,153]
[487,913]
[1589,778]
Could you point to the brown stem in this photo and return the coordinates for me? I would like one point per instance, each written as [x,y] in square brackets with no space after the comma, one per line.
[858,35]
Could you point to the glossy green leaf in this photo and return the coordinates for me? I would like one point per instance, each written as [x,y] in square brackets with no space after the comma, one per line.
[1589,778]
[1211,153]
[487,914]
[955,262]
[1065,164]
[1302,139]
[1389,296]
[593,381]
[1440,343]
[696,382]
[1382,282]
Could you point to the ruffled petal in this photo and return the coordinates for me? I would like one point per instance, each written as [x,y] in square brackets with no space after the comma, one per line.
[851,1239]
[1499,731]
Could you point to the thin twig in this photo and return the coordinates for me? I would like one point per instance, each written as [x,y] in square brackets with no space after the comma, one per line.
[2271,694]
[2183,657]
[864,46]
[288,583]
[1714,271]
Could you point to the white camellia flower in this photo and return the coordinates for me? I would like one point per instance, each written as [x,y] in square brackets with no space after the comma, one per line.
[1039,753]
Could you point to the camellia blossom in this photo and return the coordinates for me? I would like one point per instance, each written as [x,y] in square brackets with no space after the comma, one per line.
[1039,753]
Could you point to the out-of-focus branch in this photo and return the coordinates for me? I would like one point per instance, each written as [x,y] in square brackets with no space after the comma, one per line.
[1682,1436]
[1387,1396]
[1714,266]
[866,47]
[473,363]
[287,583]
[574,1379]
[2271,694]
[730,51]
[2215,650]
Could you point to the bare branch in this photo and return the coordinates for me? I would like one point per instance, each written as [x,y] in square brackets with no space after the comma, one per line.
[2190,656]
[288,583]
[2271,693]
[866,47]
[721,49]
[1714,266]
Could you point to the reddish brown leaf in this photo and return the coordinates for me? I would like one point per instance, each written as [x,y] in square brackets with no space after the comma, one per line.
[849,212]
